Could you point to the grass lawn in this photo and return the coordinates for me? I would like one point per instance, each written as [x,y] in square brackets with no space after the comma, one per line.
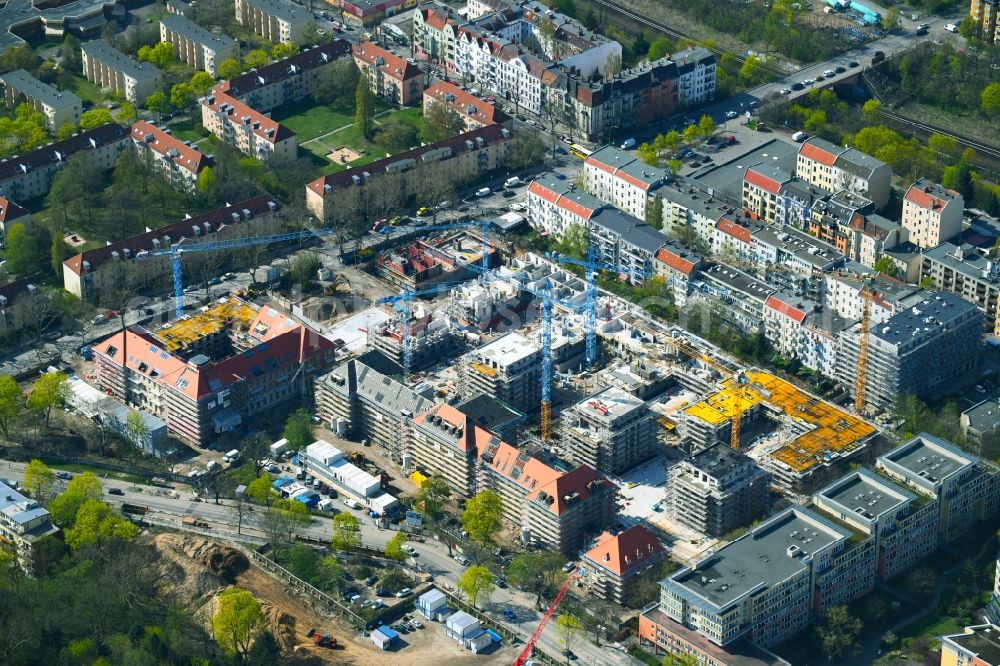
[87,91]
[309,121]
[102,473]
[186,129]
[412,116]
[643,656]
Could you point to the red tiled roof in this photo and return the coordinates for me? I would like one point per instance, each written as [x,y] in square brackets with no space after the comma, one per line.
[434,19]
[537,188]
[930,200]
[451,416]
[566,202]
[625,551]
[793,313]
[675,261]
[178,232]
[758,179]
[464,104]
[239,113]
[729,227]
[183,155]
[817,154]
[576,481]
[392,65]
[10,211]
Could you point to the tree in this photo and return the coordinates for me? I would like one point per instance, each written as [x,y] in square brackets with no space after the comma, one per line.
[483,516]
[364,108]
[706,126]
[22,251]
[81,488]
[569,629]
[182,95]
[161,54]
[298,430]
[433,494]
[870,109]
[672,140]
[675,166]
[753,71]
[989,99]
[237,621]
[394,547]
[95,118]
[674,659]
[265,650]
[476,581]
[201,83]
[127,113]
[647,154]
[283,50]
[839,632]
[11,404]
[335,83]
[654,212]
[206,179]
[887,266]
[575,241]
[690,134]
[135,429]
[50,390]
[256,449]
[39,479]
[95,524]
[658,48]
[65,131]
[537,573]
[346,532]
[256,58]
[158,102]
[396,137]
[441,122]
[229,69]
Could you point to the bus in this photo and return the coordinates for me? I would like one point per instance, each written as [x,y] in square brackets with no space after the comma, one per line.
[579,151]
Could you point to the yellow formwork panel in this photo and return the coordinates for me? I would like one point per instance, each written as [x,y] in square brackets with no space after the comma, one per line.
[185,332]
[483,369]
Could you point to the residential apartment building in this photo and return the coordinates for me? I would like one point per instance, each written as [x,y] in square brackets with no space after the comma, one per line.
[11,214]
[732,237]
[611,431]
[108,67]
[793,255]
[24,525]
[984,15]
[616,561]
[473,111]
[552,504]
[248,130]
[625,242]
[555,205]
[833,218]
[888,296]
[689,206]
[903,525]
[622,180]
[196,46]
[966,488]
[969,273]
[976,646]
[980,423]
[446,442]
[90,274]
[28,176]
[932,213]
[357,401]
[177,161]
[371,12]
[508,369]
[21,306]
[924,350]
[834,169]
[287,81]
[678,267]
[696,76]
[872,236]
[430,335]
[740,296]
[391,77]
[715,491]
[274,20]
[795,200]
[60,107]
[208,374]
[466,157]
[762,186]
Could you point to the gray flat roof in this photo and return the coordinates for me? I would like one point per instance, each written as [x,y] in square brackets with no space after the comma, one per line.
[983,642]
[620,159]
[866,495]
[718,460]
[973,263]
[281,9]
[610,404]
[570,192]
[726,179]
[490,413]
[930,458]
[984,415]
[760,558]
[692,195]
[858,163]
[507,350]
[16,13]
[733,278]
[118,61]
[631,229]
[191,30]
[43,92]
[804,247]
[932,313]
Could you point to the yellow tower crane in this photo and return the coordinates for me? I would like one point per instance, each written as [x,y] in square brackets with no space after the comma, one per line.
[860,382]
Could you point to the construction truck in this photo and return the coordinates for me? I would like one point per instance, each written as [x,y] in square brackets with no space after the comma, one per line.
[191,521]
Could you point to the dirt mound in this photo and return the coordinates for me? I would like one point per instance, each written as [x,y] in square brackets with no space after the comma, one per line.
[282,625]
[183,578]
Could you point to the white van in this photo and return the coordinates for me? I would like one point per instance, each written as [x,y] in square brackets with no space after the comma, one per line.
[232,456]
[628,144]
[513,181]
[799,137]
[483,192]
[351,503]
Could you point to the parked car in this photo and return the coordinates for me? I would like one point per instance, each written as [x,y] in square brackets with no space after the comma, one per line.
[407,548]
[405,592]
[569,566]
[829,72]
[65,476]
[510,615]
[731,114]
[423,211]
[115,491]
[462,559]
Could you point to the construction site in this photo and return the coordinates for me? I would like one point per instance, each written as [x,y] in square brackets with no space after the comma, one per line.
[423,263]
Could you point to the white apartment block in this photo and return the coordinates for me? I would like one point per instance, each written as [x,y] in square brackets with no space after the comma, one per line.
[58,106]
[932,213]
[274,20]
[555,205]
[196,46]
[834,169]
[178,162]
[625,182]
[108,67]
[252,133]
[23,523]
[696,70]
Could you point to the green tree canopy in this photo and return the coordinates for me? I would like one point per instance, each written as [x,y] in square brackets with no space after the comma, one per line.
[570,630]
[201,83]
[95,118]
[483,516]
[49,391]
[433,494]
[441,122]
[283,50]
[346,532]
[81,488]
[65,131]
[537,573]
[39,479]
[658,48]
[394,547]
[989,99]
[476,582]
[706,126]
[575,242]
[160,54]
[11,403]
[298,430]
[23,254]
[839,632]
[158,102]
[206,179]
[886,265]
[229,69]
[261,491]
[364,109]
[691,133]
[96,524]
[182,95]
[256,58]
[237,621]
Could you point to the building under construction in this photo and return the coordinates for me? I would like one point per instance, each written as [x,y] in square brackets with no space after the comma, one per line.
[423,263]
[484,307]
[431,339]
[612,431]
[715,491]
[508,369]
[815,439]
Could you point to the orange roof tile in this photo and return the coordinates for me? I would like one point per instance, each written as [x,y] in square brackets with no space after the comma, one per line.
[625,551]
[817,154]
[185,156]
[391,64]
[675,261]
[730,228]
[758,179]
[466,105]
[237,112]
[789,311]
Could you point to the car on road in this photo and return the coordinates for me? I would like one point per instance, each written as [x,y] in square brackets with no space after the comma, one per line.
[560,176]
[820,77]
[853,63]
[214,281]
[423,211]
[568,566]
[951,27]
[510,615]
[381,592]
[501,583]
[416,624]
[570,655]
[840,69]
[115,491]
[797,86]
[444,205]
[829,72]
[980,389]
[407,548]
[507,194]
[65,476]
[403,593]
[560,150]
[521,117]
[786,91]
[462,559]
[808,82]
[731,114]
[921,31]
[483,192]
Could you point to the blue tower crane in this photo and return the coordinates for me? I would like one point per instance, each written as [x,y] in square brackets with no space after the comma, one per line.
[402,302]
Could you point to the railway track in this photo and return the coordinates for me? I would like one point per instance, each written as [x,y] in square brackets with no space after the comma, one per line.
[980,147]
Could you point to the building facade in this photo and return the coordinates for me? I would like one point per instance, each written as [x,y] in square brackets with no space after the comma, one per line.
[932,213]
[627,183]
[984,15]
[196,46]
[473,111]
[554,205]
[274,20]
[177,161]
[833,168]
[391,77]
[615,562]
[108,67]
[60,107]
[24,526]
[249,131]
[611,431]
[970,274]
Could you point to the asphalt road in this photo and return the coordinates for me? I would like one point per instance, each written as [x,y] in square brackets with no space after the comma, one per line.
[432,555]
